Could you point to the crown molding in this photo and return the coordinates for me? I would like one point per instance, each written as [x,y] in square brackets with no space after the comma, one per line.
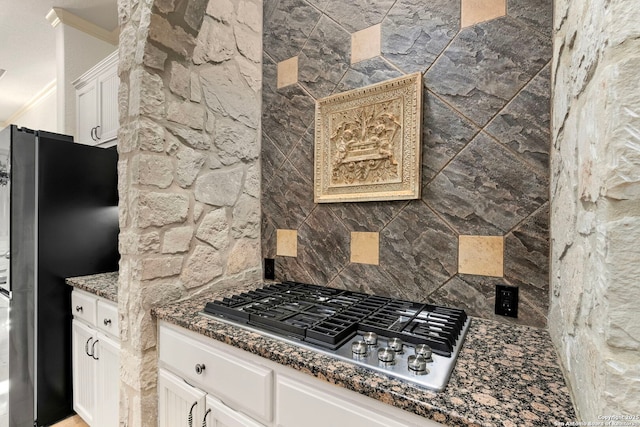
[58,15]
[38,98]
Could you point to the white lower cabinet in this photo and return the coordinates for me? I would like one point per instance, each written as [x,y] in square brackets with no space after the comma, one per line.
[220,415]
[179,404]
[83,339]
[205,383]
[95,360]
[108,382]
[183,405]
[297,400]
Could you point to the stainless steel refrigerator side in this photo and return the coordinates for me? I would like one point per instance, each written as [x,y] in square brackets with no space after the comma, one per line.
[5,205]
[5,294]
[23,266]
[77,235]
[63,222]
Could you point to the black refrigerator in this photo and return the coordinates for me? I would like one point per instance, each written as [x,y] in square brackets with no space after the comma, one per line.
[58,219]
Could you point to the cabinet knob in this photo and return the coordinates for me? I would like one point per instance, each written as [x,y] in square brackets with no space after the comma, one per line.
[79,308]
[107,322]
[199,368]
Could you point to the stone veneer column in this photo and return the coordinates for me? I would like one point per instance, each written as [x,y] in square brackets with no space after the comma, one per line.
[595,201]
[189,178]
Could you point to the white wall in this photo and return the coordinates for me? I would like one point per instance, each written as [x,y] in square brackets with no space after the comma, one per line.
[41,113]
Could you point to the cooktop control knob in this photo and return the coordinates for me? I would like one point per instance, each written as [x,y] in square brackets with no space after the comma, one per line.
[386,356]
[359,348]
[396,345]
[371,338]
[417,365]
[424,351]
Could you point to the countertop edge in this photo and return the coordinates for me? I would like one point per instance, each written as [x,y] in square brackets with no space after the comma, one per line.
[104,285]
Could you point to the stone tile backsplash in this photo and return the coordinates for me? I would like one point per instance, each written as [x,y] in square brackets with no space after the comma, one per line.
[485,144]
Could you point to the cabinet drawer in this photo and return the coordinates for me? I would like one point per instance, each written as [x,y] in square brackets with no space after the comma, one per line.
[296,400]
[239,383]
[83,306]
[107,318]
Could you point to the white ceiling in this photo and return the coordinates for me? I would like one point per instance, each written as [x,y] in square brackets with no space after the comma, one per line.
[28,50]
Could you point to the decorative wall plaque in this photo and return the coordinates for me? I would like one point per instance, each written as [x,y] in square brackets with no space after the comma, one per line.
[367,143]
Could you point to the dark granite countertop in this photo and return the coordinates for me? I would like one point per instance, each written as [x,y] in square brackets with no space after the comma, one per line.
[505,375]
[104,285]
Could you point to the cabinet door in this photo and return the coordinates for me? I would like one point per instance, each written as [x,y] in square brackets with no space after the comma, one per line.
[108,105]
[220,415]
[87,116]
[108,383]
[84,371]
[179,404]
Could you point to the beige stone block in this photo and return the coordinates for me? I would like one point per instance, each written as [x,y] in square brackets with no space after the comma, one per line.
[287,243]
[365,248]
[186,113]
[214,229]
[222,10]
[175,38]
[159,209]
[220,188]
[189,164]
[365,44]
[244,256]
[288,72]
[248,43]
[481,255]
[215,43]
[151,136]
[180,79]
[250,14]
[153,268]
[177,240]
[474,11]
[204,265]
[156,170]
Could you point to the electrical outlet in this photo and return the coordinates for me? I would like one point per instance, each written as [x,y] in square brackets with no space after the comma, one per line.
[507,300]
[269,268]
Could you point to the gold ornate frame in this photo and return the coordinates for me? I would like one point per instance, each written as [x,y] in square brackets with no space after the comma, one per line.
[367,143]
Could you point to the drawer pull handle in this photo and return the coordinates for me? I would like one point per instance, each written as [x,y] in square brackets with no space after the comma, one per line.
[204,420]
[190,417]
[93,350]
[107,322]
[199,369]
[86,346]
[79,308]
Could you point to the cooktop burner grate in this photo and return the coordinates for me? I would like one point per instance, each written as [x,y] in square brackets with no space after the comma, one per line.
[329,317]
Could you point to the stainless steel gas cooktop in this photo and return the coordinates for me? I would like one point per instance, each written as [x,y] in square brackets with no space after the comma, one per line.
[413,341]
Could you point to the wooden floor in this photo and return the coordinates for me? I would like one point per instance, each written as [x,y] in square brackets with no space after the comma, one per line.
[74,421]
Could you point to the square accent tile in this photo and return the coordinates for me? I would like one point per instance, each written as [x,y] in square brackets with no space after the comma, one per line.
[365,44]
[475,11]
[287,243]
[365,248]
[481,255]
[288,72]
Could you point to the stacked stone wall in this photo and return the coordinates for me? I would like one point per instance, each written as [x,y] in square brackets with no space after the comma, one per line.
[189,176]
[595,204]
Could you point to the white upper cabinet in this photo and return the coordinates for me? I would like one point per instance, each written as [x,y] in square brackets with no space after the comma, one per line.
[97,103]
